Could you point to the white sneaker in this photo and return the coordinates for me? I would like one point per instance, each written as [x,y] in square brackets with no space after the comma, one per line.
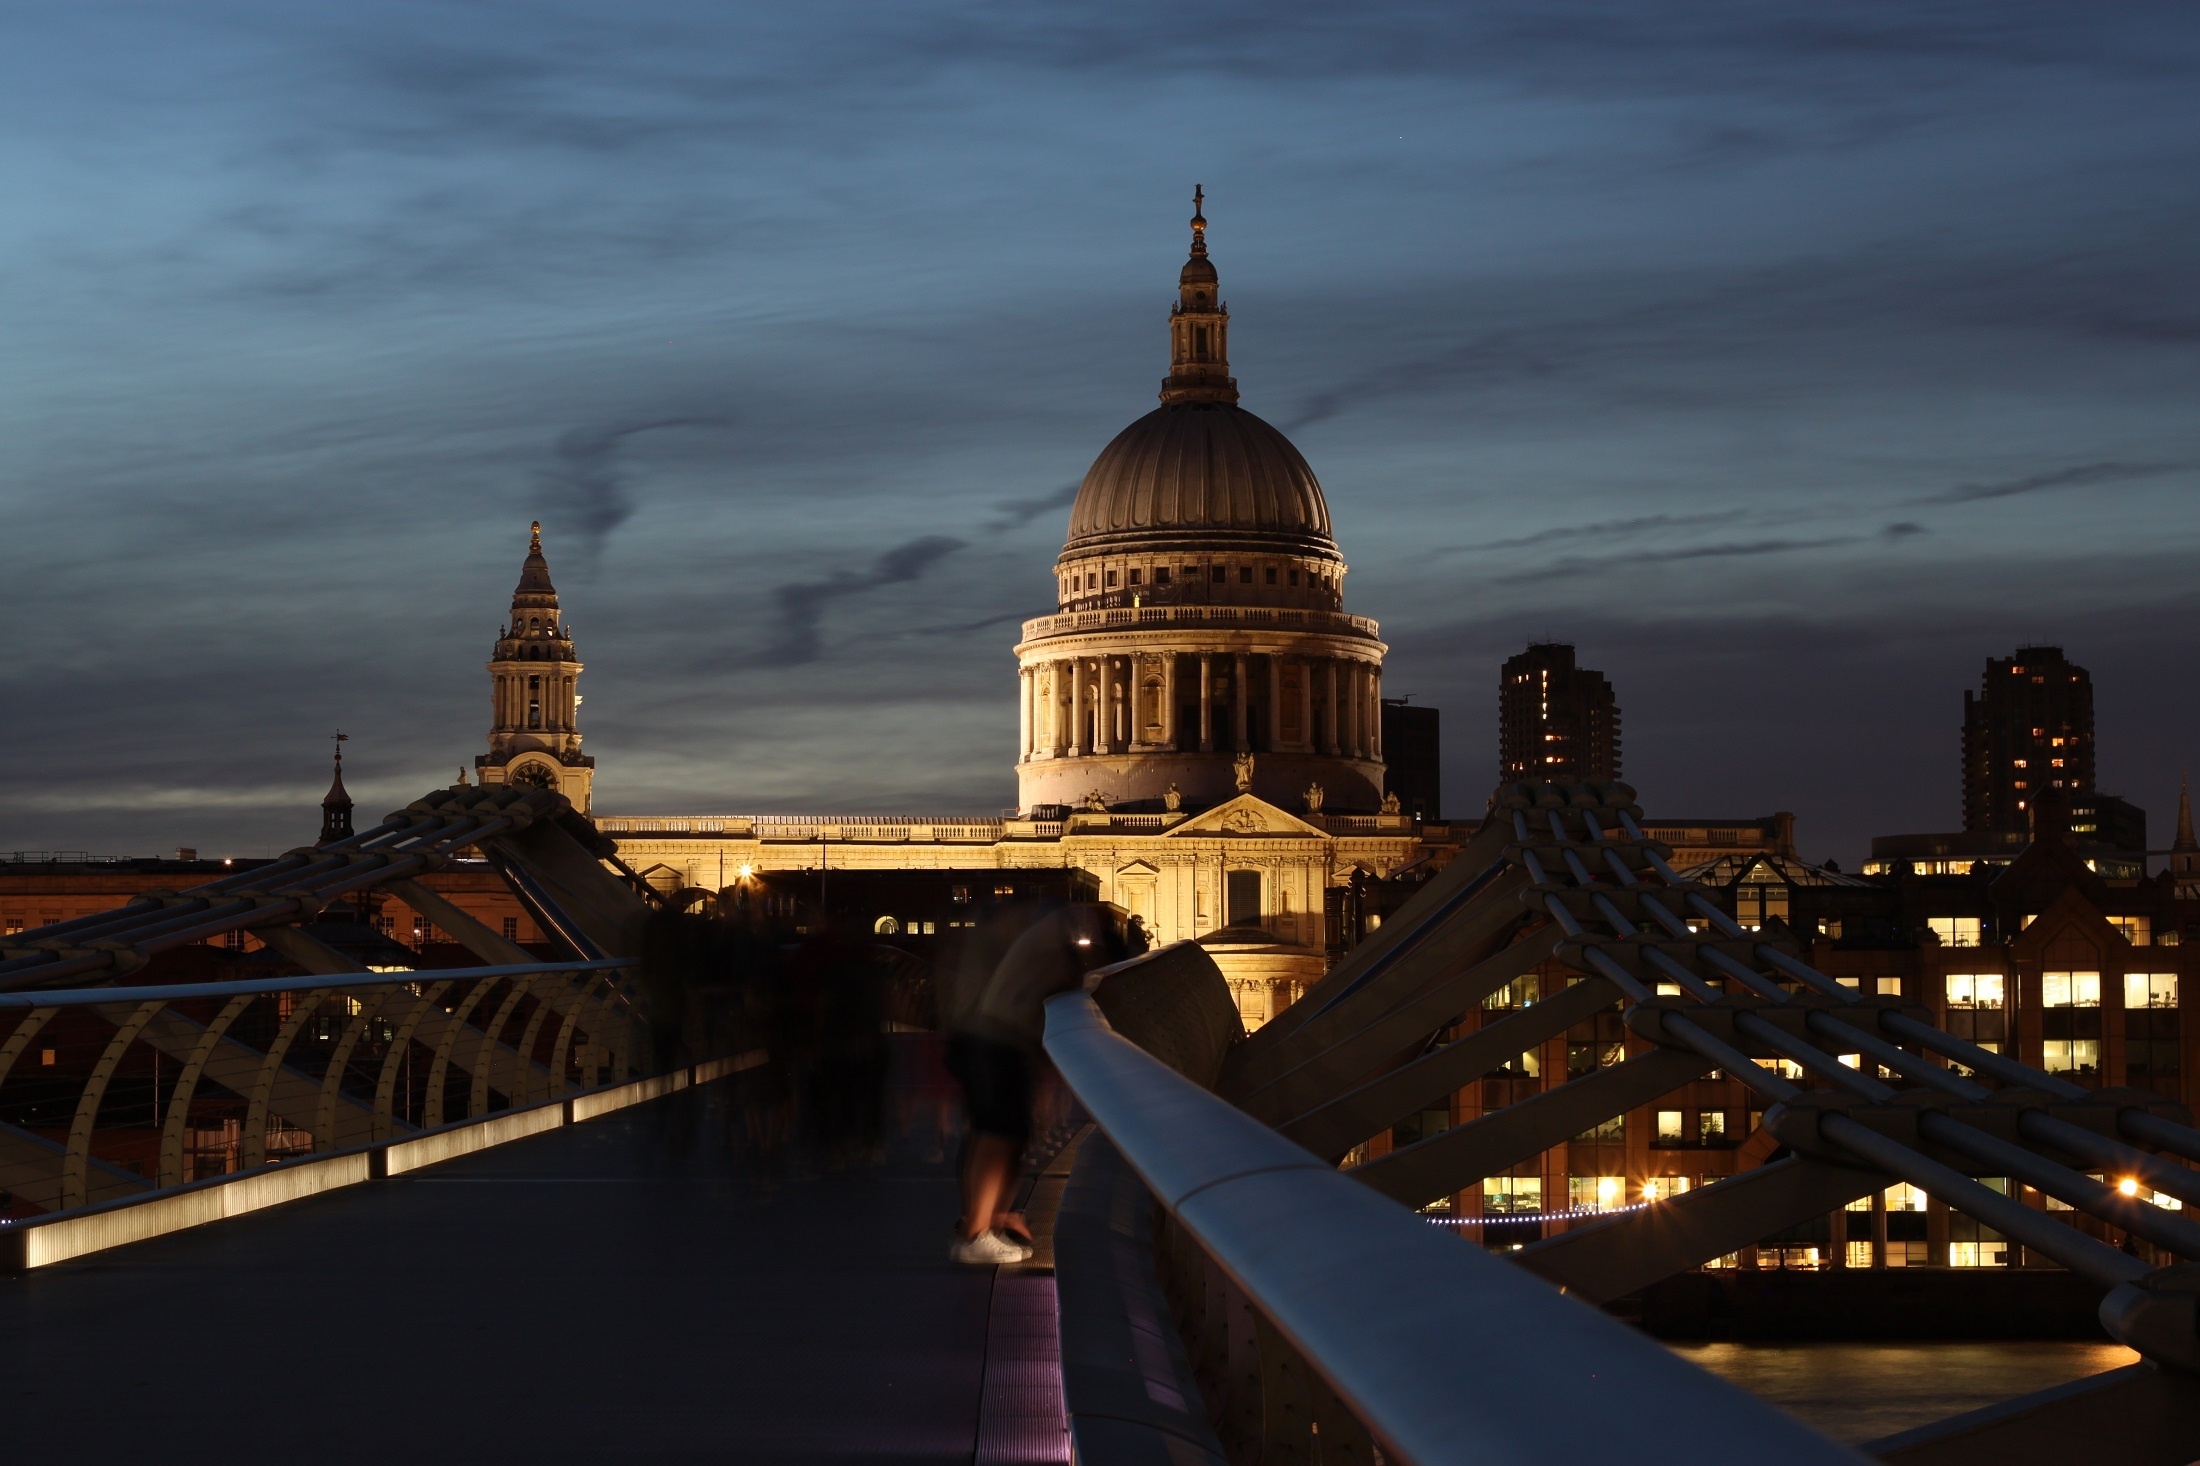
[987,1249]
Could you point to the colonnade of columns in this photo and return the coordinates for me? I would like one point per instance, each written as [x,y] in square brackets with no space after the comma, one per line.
[1077,706]
[550,703]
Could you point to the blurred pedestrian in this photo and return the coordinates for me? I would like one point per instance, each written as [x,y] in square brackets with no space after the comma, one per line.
[995,1017]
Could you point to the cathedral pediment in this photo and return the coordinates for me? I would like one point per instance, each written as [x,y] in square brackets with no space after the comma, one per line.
[1247,817]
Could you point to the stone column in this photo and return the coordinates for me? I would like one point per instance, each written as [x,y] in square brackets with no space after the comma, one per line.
[1329,709]
[1275,703]
[1103,737]
[1375,710]
[1206,703]
[1077,728]
[1168,701]
[1356,704]
[1240,705]
[1023,713]
[1306,705]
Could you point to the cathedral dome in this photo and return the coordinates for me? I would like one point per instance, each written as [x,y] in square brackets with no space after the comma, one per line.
[1209,471]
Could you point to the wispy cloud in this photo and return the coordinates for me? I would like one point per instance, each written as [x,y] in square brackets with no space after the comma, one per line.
[1016,513]
[2080,476]
[1736,550]
[591,485]
[795,640]
[1607,529]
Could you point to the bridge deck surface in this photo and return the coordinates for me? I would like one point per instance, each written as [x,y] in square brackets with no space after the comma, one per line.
[592,1294]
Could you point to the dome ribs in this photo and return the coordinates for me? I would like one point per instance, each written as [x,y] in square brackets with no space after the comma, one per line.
[1181,471]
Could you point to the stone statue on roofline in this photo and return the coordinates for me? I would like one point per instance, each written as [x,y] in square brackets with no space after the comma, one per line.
[1097,801]
[1390,801]
[1244,767]
[1314,797]
[1172,798]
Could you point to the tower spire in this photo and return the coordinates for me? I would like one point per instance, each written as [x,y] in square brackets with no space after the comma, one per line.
[1199,326]
[2185,842]
[336,805]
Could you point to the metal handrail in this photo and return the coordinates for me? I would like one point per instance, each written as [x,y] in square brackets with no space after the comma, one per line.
[1382,1305]
[255,987]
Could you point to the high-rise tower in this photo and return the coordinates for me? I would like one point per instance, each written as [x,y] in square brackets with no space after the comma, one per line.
[1555,718]
[1200,610]
[2030,728]
[2184,851]
[534,734]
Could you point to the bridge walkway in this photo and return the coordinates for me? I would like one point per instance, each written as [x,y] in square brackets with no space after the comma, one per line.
[605,1292]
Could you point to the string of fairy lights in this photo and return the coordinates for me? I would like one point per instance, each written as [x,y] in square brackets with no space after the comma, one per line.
[1569,1214]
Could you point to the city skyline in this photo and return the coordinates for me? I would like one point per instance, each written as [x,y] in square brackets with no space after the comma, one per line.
[1831,360]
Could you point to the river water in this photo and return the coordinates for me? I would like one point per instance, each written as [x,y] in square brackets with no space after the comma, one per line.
[1860,1392]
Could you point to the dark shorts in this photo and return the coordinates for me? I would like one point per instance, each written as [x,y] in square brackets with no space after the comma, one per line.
[996,1085]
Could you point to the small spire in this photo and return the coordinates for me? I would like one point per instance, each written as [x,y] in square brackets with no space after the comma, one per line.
[2184,816]
[1199,219]
[534,572]
[336,804]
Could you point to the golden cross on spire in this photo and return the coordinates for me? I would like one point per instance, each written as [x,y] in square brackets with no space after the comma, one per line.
[1199,219]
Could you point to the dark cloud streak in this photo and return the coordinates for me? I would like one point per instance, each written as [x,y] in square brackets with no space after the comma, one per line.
[795,641]
[2084,475]
[591,485]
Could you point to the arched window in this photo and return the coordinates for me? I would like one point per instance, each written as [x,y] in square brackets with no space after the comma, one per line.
[534,702]
[885,926]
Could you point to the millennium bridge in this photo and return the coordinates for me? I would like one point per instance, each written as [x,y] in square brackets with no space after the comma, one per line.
[467,1217]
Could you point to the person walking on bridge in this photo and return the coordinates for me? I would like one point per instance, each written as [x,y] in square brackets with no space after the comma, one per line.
[994,1015]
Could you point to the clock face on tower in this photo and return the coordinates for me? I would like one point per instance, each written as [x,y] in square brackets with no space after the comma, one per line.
[535,776]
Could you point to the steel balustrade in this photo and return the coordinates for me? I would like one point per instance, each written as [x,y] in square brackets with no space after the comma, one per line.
[376,1023]
[1383,1307]
[269,1084]
[1281,1285]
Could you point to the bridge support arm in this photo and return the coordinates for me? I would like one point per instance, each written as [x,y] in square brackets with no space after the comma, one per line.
[1464,1154]
[2141,1415]
[1335,1127]
[1611,1258]
[468,930]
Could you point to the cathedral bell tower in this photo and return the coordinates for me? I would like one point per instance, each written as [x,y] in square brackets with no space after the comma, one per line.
[534,735]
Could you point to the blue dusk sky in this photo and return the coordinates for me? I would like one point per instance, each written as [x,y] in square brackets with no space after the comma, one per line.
[1790,360]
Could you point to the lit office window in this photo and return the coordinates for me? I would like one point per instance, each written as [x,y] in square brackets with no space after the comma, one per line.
[2070,1055]
[1975,989]
[1955,931]
[2150,990]
[2070,989]
[1508,1195]
[1599,1192]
